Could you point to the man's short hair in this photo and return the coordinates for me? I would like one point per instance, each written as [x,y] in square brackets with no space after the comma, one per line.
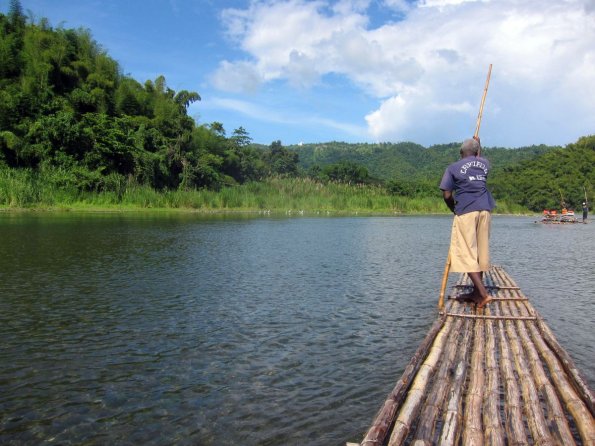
[470,146]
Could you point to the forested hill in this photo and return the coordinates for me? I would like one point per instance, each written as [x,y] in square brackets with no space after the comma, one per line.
[406,160]
[565,174]
[536,177]
[68,113]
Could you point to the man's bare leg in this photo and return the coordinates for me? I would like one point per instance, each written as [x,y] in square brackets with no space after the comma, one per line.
[481,295]
[473,295]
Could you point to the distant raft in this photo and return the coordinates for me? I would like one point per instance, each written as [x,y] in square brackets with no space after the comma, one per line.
[553,217]
[495,378]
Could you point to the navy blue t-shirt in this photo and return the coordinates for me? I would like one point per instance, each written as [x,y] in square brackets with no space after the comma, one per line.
[467,177]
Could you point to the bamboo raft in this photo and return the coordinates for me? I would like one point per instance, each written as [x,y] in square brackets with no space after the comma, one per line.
[496,376]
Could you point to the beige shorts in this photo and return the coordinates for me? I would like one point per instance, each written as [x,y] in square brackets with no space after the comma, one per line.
[470,242]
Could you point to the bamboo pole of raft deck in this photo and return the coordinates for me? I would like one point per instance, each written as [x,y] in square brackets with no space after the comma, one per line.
[491,317]
[570,385]
[409,409]
[427,420]
[515,429]
[453,417]
[378,432]
[494,435]
[568,365]
[572,400]
[507,281]
[555,411]
[578,382]
[534,415]
[476,134]
[473,433]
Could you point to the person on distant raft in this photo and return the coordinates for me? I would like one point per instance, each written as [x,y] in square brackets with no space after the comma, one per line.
[585,211]
[464,189]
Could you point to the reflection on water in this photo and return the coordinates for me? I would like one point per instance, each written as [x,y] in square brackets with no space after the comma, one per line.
[184,329]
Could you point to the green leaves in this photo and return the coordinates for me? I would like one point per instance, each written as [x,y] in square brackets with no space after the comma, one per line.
[346,172]
[544,181]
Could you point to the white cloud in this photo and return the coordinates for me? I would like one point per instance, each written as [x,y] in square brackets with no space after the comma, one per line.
[236,77]
[431,64]
[260,113]
[398,5]
[349,129]
[443,3]
[248,109]
[390,118]
[347,7]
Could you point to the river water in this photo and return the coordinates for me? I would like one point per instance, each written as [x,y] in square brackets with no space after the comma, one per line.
[195,330]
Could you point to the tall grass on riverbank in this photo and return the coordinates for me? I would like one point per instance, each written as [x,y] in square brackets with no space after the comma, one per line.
[47,190]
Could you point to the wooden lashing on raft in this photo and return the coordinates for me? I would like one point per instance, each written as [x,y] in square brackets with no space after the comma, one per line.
[496,378]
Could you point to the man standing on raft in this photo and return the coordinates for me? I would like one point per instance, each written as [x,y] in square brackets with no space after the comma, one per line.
[472,205]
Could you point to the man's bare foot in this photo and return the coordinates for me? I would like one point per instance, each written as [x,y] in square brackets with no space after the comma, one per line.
[483,302]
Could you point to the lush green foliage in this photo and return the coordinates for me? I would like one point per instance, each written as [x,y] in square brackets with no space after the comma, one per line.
[562,175]
[64,104]
[404,161]
[533,177]
[23,188]
[74,129]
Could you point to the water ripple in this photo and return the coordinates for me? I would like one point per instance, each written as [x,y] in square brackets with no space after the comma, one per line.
[181,330]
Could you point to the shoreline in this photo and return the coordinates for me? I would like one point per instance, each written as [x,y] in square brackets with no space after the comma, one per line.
[229,211]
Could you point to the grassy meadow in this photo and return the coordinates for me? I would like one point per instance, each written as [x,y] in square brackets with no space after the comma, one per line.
[27,189]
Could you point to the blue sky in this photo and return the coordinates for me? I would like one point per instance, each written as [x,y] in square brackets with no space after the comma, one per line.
[359,70]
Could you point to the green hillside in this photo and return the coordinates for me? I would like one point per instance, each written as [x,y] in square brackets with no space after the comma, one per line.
[535,176]
[564,174]
[406,160]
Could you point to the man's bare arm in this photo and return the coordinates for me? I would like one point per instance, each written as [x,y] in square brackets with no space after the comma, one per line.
[449,199]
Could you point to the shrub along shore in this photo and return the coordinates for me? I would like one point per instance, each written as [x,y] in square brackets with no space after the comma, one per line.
[26,189]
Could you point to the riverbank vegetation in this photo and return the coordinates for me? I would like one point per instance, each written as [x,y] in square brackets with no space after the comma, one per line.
[77,133]
[296,196]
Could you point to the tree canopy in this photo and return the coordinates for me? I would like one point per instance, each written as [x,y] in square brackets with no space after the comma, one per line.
[65,104]
[535,177]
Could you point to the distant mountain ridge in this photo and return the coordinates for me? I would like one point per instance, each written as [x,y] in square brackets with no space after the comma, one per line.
[536,177]
[407,160]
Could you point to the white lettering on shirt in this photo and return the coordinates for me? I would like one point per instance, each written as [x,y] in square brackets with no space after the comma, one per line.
[470,164]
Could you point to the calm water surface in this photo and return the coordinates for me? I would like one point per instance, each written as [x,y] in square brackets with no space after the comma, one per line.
[136,329]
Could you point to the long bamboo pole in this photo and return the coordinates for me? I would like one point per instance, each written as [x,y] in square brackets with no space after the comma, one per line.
[410,408]
[453,409]
[513,411]
[379,430]
[429,415]
[575,405]
[473,432]
[536,421]
[578,381]
[476,134]
[483,99]
[492,422]
[555,412]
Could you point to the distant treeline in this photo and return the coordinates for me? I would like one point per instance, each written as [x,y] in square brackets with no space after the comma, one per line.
[534,177]
[69,117]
